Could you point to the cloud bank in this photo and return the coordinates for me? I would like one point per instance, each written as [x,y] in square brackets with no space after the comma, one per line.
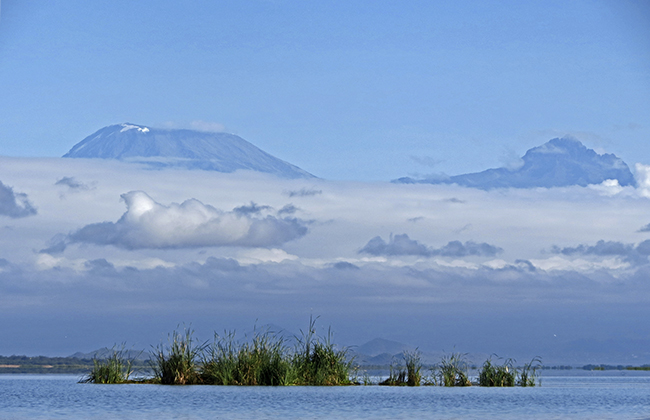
[72,183]
[403,245]
[14,205]
[191,224]
[636,254]
[246,254]
[468,306]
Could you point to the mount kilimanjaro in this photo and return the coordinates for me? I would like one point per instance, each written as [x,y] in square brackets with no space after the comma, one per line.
[559,162]
[188,149]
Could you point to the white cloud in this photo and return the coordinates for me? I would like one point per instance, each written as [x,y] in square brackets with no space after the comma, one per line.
[171,253]
[13,204]
[191,224]
[262,255]
[608,187]
[642,175]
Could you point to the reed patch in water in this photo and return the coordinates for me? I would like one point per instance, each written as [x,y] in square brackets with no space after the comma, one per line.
[317,361]
[115,369]
[263,361]
[177,364]
[407,375]
[528,375]
[492,374]
[267,360]
[452,371]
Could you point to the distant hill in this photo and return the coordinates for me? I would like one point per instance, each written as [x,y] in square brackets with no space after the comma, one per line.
[380,346]
[560,162]
[189,149]
[105,353]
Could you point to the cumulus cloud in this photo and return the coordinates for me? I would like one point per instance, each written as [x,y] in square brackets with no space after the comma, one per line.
[403,245]
[609,187]
[13,204]
[645,228]
[252,208]
[525,264]
[288,209]
[642,175]
[303,192]
[637,254]
[72,183]
[191,224]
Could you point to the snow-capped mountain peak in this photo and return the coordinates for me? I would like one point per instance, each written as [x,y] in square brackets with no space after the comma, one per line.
[127,126]
[160,148]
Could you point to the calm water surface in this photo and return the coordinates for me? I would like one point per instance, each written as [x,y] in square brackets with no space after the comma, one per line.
[560,397]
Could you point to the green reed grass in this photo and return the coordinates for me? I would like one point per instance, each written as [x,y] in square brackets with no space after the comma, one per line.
[413,361]
[316,361]
[409,375]
[497,375]
[178,365]
[115,369]
[263,361]
[528,375]
[397,375]
[452,371]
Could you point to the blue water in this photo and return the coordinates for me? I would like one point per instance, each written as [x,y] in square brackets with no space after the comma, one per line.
[565,397]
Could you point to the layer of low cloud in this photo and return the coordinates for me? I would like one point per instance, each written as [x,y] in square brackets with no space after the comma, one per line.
[191,262]
[356,299]
[252,208]
[403,245]
[191,224]
[13,204]
[645,228]
[72,183]
[303,192]
[636,254]
[642,175]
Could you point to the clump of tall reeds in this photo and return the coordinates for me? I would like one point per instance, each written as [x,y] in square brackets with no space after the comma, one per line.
[452,371]
[115,369]
[528,375]
[497,375]
[507,375]
[316,361]
[263,361]
[413,362]
[178,365]
[409,375]
[397,375]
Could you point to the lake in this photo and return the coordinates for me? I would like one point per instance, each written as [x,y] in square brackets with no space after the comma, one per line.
[590,395]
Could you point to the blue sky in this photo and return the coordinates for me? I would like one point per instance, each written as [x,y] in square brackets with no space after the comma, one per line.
[93,253]
[345,90]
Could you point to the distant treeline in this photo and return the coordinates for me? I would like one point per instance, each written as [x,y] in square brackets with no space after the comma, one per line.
[44,364]
[617,367]
[75,365]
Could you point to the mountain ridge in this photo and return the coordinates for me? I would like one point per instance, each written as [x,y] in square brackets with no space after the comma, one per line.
[560,162]
[183,148]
